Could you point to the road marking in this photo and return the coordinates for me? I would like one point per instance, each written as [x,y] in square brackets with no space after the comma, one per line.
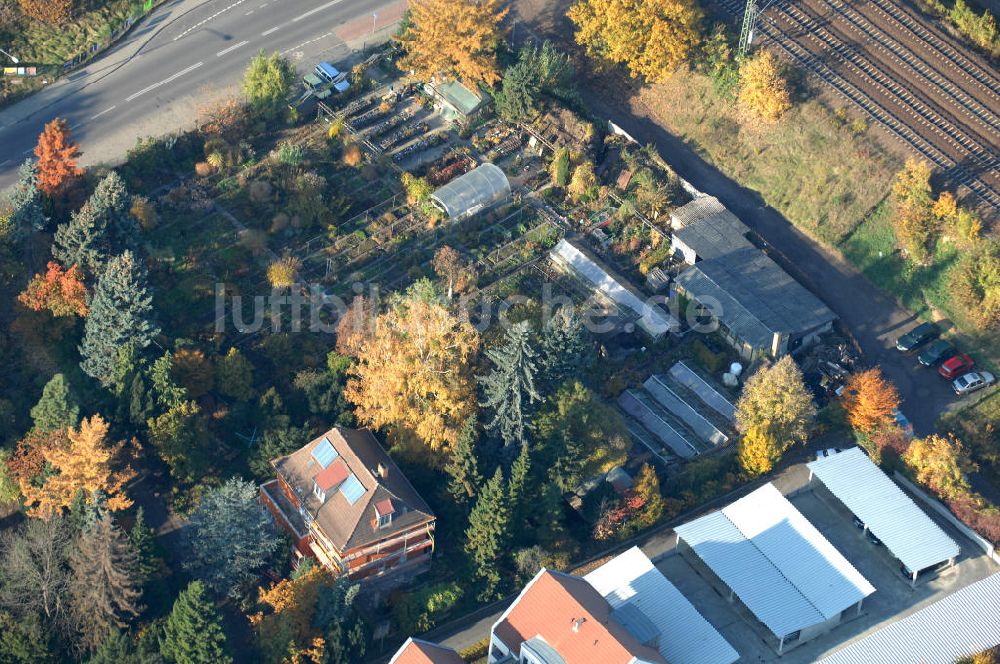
[166,80]
[5,163]
[107,110]
[231,48]
[295,48]
[314,11]
[249,12]
[28,150]
[201,23]
[267,32]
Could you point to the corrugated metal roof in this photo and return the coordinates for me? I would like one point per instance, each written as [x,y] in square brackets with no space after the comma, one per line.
[482,186]
[711,234]
[778,564]
[651,319]
[874,498]
[630,579]
[960,625]
[756,297]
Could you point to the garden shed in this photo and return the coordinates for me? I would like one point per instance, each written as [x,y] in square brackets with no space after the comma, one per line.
[468,194]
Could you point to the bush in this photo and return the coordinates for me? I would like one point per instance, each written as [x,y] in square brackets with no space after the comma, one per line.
[145,212]
[420,611]
[281,273]
[352,155]
[203,169]
[475,651]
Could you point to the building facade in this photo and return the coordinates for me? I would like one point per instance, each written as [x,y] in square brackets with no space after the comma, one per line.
[347,505]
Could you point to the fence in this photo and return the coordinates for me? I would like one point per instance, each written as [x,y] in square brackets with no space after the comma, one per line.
[114,36]
[984,544]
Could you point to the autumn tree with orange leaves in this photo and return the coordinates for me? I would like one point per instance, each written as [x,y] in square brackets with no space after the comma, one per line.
[47,11]
[57,156]
[60,291]
[453,39]
[869,399]
[414,371]
[85,464]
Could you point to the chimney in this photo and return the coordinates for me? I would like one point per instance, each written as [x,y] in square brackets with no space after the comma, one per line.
[382,472]
[577,623]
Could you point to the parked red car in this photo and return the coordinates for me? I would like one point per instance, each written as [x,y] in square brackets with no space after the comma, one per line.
[956,366]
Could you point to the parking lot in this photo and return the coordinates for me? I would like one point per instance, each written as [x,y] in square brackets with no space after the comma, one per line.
[893,598]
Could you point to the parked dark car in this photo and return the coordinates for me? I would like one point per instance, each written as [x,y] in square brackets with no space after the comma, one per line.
[939,351]
[956,366]
[917,337]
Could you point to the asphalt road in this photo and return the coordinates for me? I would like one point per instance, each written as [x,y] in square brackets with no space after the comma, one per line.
[184,52]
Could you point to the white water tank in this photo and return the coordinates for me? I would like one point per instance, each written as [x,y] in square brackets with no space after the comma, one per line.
[736,368]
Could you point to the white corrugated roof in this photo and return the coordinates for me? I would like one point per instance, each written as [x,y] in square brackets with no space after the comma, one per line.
[960,625]
[889,513]
[778,564]
[685,636]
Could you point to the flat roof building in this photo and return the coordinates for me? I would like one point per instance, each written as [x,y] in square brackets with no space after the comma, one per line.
[481,188]
[905,530]
[766,554]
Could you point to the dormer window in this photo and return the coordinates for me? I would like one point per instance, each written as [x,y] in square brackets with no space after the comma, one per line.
[384,509]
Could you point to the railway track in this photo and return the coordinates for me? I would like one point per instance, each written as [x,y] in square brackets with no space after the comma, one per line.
[881,59]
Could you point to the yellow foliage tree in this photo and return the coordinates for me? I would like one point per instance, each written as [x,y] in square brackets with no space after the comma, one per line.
[413,372]
[284,622]
[775,400]
[453,39]
[758,451]
[940,464]
[281,273]
[763,95]
[650,37]
[86,464]
[869,399]
[583,182]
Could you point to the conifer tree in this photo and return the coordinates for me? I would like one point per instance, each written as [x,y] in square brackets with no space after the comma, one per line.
[487,534]
[105,588]
[463,467]
[83,240]
[510,387]
[230,537]
[144,542]
[121,312]
[112,201]
[193,631]
[517,485]
[26,201]
[566,348]
[57,408]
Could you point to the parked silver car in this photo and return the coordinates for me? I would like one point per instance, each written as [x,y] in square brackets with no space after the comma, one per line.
[972,381]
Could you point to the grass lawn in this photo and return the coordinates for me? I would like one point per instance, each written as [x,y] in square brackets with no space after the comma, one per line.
[923,290]
[821,172]
[42,44]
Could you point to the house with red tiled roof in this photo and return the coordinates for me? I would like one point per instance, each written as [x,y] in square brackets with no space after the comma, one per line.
[564,619]
[415,651]
[346,504]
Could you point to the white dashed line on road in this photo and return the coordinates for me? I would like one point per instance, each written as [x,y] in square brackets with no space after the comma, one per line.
[267,32]
[305,43]
[107,110]
[203,22]
[231,48]
[166,80]
[5,163]
[314,11]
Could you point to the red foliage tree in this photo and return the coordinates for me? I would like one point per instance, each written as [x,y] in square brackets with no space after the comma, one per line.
[28,461]
[60,291]
[57,156]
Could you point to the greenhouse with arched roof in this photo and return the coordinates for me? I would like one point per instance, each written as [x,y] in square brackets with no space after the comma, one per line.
[480,188]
